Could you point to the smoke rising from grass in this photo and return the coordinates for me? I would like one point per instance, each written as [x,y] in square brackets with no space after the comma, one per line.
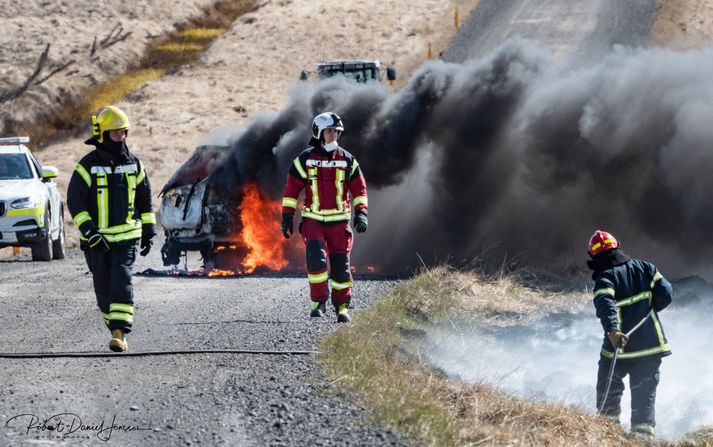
[555,359]
[513,155]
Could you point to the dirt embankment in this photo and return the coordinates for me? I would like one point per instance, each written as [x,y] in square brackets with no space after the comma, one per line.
[683,24]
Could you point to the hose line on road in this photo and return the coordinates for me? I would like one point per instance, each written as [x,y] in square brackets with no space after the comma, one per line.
[41,355]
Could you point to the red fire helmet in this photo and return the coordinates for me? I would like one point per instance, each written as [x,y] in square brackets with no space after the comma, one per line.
[600,242]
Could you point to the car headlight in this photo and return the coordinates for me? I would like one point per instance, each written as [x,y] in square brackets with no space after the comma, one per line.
[26,202]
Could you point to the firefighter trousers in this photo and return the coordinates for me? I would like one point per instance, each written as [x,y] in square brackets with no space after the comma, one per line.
[111,274]
[643,380]
[325,241]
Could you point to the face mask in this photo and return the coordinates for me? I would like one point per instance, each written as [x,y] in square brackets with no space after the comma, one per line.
[329,147]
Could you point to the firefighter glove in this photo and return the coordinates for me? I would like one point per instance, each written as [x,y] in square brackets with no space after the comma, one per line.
[146,241]
[360,221]
[287,225]
[617,339]
[97,242]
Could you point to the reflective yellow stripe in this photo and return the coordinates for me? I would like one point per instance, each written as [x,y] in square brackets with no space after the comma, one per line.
[299,168]
[289,202]
[657,326]
[121,307]
[102,200]
[38,212]
[135,234]
[84,174]
[638,354]
[82,217]
[121,228]
[314,187]
[317,277]
[605,291]
[131,195]
[355,165]
[148,218]
[121,316]
[105,317]
[328,218]
[643,428]
[633,299]
[657,276]
[361,200]
[341,285]
[339,183]
[142,174]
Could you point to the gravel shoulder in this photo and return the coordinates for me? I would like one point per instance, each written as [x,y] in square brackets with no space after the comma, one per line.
[211,399]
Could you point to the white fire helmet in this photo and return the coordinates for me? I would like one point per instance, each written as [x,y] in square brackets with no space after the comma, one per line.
[326,120]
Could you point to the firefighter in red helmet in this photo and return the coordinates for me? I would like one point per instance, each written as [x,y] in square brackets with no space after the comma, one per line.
[328,174]
[628,292]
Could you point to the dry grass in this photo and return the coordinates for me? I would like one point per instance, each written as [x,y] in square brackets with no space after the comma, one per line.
[169,53]
[376,361]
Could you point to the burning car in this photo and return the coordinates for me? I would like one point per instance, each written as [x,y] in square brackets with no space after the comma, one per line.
[235,229]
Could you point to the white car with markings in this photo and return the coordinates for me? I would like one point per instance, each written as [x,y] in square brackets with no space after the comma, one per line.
[31,208]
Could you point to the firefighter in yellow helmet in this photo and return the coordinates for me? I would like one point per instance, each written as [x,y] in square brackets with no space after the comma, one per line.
[109,198]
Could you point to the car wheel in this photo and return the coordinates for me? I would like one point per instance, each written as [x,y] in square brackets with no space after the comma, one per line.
[58,244]
[42,250]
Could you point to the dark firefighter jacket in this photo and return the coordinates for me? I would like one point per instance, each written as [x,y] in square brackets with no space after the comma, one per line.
[111,193]
[625,292]
[329,178]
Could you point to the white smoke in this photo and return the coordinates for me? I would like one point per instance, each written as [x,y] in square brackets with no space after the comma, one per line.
[555,359]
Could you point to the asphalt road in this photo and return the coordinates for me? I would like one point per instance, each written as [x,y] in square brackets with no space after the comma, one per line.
[569,29]
[207,399]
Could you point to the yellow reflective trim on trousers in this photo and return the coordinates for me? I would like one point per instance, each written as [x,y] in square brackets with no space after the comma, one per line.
[643,428]
[330,218]
[361,200]
[657,276]
[289,202]
[84,174]
[314,187]
[104,316]
[638,354]
[82,217]
[339,183]
[605,291]
[299,168]
[341,285]
[355,165]
[121,316]
[634,299]
[148,218]
[121,307]
[317,278]
[102,201]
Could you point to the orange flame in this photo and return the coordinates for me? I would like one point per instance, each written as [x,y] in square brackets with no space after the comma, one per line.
[261,231]
[219,272]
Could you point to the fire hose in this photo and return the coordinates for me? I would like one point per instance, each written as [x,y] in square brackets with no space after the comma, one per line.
[616,355]
[39,355]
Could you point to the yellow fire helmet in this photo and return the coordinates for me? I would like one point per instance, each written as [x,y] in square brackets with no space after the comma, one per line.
[110,118]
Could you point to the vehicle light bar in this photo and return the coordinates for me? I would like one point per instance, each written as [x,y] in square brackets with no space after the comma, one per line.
[14,140]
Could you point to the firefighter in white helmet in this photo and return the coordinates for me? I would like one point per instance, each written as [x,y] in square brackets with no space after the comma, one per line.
[109,198]
[328,174]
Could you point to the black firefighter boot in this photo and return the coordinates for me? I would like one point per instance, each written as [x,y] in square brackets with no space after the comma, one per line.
[342,313]
[318,308]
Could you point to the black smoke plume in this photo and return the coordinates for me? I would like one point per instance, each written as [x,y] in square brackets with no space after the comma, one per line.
[512,157]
